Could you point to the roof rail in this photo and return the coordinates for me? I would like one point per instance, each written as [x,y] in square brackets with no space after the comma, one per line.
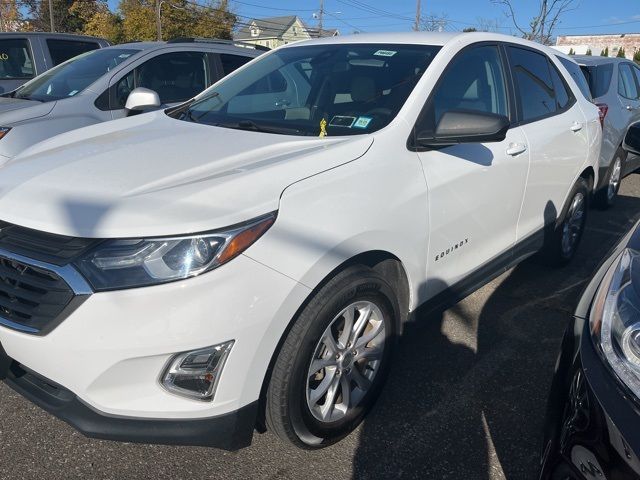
[218,41]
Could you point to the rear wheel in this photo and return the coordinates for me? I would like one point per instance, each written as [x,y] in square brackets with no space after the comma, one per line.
[606,196]
[334,360]
[564,237]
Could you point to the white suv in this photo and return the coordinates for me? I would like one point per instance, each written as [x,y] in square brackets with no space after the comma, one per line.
[246,260]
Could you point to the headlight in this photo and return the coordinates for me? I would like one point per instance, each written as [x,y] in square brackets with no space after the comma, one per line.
[119,263]
[615,318]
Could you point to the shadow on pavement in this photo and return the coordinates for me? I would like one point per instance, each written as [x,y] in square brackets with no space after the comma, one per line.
[466,396]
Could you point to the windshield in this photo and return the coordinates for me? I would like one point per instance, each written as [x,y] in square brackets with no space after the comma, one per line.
[332,89]
[73,76]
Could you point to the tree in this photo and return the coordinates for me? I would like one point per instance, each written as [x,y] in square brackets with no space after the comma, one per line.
[621,53]
[179,18]
[541,26]
[64,19]
[469,29]
[636,56]
[98,20]
[434,23]
[10,16]
[588,52]
[605,52]
[572,51]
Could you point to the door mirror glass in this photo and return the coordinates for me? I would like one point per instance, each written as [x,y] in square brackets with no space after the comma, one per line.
[631,142]
[463,126]
[141,99]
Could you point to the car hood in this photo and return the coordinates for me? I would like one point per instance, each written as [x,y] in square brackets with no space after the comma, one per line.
[152,175]
[14,110]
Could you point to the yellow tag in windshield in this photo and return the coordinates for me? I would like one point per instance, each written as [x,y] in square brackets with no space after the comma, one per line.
[323,128]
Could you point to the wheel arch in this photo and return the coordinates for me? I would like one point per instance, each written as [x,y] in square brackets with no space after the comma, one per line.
[383,262]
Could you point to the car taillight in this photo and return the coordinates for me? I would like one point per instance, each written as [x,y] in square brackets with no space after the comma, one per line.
[603,108]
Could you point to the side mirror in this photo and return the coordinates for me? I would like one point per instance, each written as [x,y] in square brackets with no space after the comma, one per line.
[466,126]
[631,141]
[141,99]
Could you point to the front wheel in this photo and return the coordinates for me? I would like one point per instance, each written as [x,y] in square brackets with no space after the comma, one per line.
[334,360]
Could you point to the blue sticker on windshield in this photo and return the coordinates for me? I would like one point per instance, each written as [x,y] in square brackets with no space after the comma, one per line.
[362,122]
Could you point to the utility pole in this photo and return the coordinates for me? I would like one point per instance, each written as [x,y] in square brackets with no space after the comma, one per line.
[416,27]
[158,20]
[320,15]
[53,27]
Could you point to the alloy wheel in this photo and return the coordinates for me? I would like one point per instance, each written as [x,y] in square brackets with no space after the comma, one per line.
[614,179]
[345,361]
[573,224]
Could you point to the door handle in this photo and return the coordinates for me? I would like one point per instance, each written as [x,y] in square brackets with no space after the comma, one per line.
[576,127]
[516,149]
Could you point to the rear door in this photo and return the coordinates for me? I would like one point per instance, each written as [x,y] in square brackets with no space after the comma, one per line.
[61,50]
[556,132]
[17,63]
[632,113]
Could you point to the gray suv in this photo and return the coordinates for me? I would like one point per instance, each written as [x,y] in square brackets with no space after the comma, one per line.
[26,55]
[615,87]
[97,86]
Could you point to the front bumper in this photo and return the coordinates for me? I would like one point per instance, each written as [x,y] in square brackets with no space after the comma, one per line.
[99,369]
[230,431]
[591,428]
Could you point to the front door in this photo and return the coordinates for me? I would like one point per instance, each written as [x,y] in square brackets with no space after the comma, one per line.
[475,189]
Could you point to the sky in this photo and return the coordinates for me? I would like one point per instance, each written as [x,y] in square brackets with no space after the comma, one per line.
[619,16]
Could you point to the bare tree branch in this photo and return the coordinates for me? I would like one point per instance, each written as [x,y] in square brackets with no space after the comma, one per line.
[542,26]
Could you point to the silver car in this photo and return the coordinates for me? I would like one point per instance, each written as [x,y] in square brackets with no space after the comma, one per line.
[615,87]
[97,86]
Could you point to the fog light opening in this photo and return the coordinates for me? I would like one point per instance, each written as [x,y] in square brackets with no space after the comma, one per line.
[196,374]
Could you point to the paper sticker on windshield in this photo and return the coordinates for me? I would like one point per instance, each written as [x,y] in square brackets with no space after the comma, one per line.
[385,53]
[362,122]
[342,121]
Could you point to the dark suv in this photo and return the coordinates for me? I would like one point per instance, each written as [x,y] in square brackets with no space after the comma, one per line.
[26,55]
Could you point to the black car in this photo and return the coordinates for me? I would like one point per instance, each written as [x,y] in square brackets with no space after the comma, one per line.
[592,428]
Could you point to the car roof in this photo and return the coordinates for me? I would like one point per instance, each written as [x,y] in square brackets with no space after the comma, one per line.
[73,36]
[417,38]
[213,46]
[597,60]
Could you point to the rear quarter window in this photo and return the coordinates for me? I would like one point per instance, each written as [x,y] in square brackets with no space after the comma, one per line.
[63,50]
[598,77]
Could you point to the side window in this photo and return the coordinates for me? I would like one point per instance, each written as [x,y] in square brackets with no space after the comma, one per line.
[175,76]
[636,72]
[272,83]
[15,59]
[63,50]
[232,62]
[122,90]
[564,98]
[534,85]
[474,80]
[626,82]
[578,76]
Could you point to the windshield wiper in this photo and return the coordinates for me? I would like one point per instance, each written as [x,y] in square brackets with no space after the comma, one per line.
[254,127]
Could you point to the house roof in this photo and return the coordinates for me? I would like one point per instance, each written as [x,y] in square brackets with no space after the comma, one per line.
[269,27]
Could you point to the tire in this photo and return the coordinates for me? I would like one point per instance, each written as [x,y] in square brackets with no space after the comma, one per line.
[606,196]
[296,410]
[563,237]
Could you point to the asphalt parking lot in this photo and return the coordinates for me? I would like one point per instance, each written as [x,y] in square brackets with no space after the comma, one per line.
[465,399]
